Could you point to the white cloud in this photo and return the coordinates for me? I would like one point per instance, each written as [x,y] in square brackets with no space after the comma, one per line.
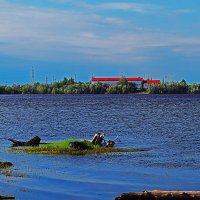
[142,8]
[124,6]
[135,7]
[182,11]
[50,34]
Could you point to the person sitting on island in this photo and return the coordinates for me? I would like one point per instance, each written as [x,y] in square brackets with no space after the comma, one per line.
[98,139]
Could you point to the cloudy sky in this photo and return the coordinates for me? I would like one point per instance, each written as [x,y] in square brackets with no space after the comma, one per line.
[151,38]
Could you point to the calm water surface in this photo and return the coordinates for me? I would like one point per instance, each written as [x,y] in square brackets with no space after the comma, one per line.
[168,126]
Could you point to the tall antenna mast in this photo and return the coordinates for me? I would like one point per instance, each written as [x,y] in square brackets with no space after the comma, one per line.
[122,74]
[33,75]
[54,79]
[46,80]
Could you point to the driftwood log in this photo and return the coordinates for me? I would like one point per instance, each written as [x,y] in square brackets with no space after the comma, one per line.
[33,142]
[160,195]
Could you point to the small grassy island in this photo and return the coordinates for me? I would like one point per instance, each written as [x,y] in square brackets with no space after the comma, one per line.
[159,194]
[4,165]
[65,147]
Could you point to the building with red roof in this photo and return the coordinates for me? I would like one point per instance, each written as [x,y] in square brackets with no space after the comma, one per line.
[138,81]
[150,82]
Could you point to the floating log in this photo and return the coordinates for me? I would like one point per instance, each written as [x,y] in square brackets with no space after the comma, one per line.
[7,197]
[33,142]
[160,195]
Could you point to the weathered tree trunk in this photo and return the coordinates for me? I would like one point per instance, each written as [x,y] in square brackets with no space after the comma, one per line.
[160,195]
[33,142]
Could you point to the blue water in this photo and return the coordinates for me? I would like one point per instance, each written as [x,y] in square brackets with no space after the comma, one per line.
[167,126]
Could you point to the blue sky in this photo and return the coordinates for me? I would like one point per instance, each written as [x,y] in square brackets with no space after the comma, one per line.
[151,38]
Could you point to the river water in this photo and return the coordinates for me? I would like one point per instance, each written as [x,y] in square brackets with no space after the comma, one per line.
[167,126]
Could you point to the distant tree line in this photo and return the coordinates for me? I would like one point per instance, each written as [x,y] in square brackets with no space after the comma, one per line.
[174,88]
[70,86]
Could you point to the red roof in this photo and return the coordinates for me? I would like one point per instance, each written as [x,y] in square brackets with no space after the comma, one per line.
[117,79]
[152,82]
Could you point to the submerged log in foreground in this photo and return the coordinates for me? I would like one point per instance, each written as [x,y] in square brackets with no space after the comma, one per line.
[33,142]
[7,197]
[160,195]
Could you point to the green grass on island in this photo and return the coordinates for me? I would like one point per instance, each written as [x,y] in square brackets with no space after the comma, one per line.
[64,147]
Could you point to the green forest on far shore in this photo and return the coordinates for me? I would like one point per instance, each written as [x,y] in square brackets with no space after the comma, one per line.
[174,88]
[70,86]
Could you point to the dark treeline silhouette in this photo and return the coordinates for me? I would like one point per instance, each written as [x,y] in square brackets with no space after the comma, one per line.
[174,88]
[70,86]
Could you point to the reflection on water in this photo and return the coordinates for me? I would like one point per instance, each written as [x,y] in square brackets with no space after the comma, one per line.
[168,126]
